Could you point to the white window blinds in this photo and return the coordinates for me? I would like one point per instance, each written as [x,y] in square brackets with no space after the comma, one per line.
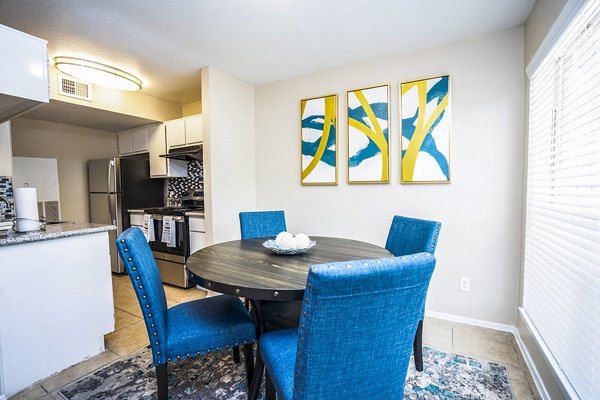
[561,293]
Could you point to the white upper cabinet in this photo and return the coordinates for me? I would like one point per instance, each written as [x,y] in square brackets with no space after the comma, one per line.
[161,167]
[5,150]
[24,72]
[193,129]
[184,131]
[133,141]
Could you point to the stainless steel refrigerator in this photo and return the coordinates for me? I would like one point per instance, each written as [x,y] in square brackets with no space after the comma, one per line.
[117,185]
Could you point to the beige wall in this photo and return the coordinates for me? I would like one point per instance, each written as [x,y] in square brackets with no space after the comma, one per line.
[538,24]
[480,210]
[228,128]
[120,101]
[191,108]
[73,146]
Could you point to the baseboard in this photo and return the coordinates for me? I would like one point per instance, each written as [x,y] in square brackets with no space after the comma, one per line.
[472,321]
[537,379]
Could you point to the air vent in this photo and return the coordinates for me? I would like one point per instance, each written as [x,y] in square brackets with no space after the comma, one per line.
[72,87]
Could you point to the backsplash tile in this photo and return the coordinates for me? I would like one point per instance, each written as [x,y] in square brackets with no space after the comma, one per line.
[195,179]
[6,190]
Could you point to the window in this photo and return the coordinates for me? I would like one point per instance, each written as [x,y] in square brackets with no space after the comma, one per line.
[561,293]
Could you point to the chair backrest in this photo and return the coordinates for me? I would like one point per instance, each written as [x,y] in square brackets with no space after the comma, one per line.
[357,327]
[257,224]
[412,235]
[145,278]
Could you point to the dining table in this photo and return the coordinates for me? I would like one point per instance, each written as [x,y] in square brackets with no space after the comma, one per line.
[272,283]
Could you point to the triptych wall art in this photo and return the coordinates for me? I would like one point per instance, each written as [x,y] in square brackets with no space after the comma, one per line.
[425,134]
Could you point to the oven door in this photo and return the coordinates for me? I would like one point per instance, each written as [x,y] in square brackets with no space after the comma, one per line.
[181,237]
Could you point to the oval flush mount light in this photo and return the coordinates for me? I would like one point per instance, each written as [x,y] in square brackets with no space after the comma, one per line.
[98,73]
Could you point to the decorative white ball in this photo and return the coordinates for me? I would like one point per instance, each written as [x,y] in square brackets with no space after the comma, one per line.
[285,240]
[302,241]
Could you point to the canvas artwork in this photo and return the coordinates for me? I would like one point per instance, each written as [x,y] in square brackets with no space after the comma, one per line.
[368,135]
[319,140]
[425,114]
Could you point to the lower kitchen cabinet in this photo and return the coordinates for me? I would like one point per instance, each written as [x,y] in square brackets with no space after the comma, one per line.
[197,234]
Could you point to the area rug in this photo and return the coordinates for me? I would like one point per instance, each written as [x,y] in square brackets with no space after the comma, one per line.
[215,376]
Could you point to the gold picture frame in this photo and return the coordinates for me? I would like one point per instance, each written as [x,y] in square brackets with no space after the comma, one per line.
[318,140]
[425,132]
[368,134]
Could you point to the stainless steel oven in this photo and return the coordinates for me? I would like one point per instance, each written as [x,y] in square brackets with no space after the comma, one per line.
[171,260]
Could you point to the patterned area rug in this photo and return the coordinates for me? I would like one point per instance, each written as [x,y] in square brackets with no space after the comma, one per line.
[215,376]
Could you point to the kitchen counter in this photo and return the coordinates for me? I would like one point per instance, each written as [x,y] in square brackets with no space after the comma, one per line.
[56,231]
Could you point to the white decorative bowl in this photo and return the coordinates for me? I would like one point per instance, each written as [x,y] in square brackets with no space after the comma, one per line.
[275,248]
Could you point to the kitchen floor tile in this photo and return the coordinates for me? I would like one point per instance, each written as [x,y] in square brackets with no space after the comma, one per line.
[75,372]
[127,340]
[183,295]
[124,319]
[124,296]
[32,393]
[519,383]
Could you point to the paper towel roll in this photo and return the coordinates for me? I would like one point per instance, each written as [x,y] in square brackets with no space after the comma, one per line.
[26,209]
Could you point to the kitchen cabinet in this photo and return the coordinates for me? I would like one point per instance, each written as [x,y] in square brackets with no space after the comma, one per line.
[197,234]
[184,131]
[161,167]
[5,150]
[133,141]
[24,71]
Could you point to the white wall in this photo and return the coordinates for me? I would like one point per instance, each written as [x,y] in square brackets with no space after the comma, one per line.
[480,210]
[228,128]
[73,146]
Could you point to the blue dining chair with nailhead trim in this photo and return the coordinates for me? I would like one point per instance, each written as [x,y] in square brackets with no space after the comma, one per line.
[188,329]
[410,236]
[259,224]
[356,331]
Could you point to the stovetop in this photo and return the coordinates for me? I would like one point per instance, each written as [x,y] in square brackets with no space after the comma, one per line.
[172,210]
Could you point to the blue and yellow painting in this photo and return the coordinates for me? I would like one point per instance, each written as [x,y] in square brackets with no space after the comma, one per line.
[368,135]
[319,137]
[425,113]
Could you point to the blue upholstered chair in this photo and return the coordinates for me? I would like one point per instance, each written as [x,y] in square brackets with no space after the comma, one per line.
[357,326]
[187,329]
[258,224]
[410,236]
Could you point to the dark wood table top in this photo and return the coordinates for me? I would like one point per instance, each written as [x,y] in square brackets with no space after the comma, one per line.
[245,268]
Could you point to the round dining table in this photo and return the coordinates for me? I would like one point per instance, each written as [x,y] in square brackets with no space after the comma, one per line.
[273,283]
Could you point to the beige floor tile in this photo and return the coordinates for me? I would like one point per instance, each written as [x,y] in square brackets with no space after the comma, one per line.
[182,295]
[519,383]
[525,369]
[75,372]
[124,296]
[127,340]
[121,279]
[484,343]
[437,333]
[32,393]
[135,309]
[124,319]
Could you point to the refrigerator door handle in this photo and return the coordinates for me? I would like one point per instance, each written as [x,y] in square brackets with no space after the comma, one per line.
[111,167]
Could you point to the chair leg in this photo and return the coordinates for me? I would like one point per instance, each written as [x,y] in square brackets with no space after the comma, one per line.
[270,393]
[418,347]
[249,362]
[236,354]
[162,381]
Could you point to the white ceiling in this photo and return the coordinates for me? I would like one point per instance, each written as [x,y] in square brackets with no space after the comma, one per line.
[166,43]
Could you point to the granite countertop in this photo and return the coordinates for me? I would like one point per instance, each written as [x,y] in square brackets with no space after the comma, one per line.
[195,214]
[55,231]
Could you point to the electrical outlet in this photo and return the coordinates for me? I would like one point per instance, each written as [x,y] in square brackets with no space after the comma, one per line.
[465,284]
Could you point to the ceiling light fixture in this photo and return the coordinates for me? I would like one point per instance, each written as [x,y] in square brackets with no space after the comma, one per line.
[98,73]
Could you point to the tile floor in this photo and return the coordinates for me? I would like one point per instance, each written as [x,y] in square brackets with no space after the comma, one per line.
[130,336]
